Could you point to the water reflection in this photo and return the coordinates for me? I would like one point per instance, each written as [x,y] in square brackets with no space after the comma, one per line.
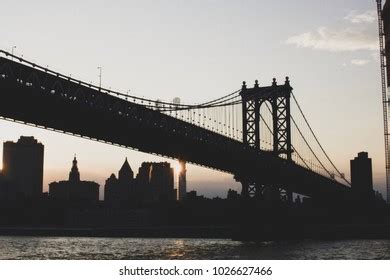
[144,248]
[177,250]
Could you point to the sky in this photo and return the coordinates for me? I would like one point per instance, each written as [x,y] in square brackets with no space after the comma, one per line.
[201,50]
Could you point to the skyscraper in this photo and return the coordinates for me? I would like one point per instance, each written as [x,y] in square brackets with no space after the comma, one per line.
[23,167]
[4,189]
[156,181]
[162,181]
[361,177]
[182,180]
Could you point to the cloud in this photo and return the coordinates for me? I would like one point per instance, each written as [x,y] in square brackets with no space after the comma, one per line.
[367,16]
[357,32]
[375,56]
[359,62]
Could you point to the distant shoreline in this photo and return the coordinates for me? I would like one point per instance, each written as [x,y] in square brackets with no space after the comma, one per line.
[136,232]
[263,233]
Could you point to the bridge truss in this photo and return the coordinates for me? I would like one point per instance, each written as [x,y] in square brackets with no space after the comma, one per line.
[232,133]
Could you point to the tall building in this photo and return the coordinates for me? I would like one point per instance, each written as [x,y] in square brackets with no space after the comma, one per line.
[162,181]
[182,180]
[74,190]
[361,177]
[4,189]
[156,181]
[142,183]
[23,167]
[118,191]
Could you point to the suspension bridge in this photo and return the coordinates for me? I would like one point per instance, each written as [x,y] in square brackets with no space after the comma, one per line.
[250,133]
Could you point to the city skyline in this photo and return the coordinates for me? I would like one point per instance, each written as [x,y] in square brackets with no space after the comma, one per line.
[22,179]
[195,130]
[347,42]
[102,172]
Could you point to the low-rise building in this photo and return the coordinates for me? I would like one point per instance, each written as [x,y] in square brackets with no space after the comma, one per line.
[74,190]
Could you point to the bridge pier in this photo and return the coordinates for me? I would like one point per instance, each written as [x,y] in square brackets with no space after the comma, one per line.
[251,189]
[254,190]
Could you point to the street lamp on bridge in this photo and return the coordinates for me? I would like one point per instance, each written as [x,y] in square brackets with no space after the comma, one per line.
[100,76]
[12,52]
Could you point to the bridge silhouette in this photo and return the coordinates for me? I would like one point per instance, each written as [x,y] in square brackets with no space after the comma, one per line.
[249,133]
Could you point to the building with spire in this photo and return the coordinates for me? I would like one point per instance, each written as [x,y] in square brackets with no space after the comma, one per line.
[125,173]
[74,174]
[121,190]
[154,183]
[74,190]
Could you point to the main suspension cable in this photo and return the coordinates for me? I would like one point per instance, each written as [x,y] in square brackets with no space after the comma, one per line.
[318,142]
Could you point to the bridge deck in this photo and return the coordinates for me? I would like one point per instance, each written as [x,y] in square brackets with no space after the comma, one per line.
[32,95]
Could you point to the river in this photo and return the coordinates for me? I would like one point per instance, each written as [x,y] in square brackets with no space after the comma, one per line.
[146,248]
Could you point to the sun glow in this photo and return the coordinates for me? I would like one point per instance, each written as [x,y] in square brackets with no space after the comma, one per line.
[177,167]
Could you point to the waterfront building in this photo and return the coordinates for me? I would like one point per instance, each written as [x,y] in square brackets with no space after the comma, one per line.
[121,190]
[155,180]
[193,195]
[361,177]
[74,190]
[23,167]
[233,195]
[153,183]
[4,195]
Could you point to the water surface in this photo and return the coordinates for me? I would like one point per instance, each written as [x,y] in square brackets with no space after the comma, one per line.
[146,248]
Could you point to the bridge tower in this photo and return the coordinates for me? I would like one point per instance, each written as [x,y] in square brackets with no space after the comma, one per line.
[278,97]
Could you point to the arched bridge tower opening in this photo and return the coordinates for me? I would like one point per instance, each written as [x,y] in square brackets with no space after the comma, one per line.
[278,96]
